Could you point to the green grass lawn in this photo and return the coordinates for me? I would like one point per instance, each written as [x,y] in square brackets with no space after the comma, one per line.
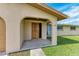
[67,46]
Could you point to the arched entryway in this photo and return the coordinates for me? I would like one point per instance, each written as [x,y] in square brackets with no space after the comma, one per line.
[2,35]
[33,33]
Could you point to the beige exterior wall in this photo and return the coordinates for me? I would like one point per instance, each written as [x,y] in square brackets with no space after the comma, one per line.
[54,32]
[44,30]
[13,15]
[67,31]
[27,30]
[22,33]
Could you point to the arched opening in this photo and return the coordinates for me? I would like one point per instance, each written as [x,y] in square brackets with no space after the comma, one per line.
[33,31]
[2,35]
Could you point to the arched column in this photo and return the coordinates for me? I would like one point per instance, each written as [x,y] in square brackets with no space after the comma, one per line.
[53,31]
[13,35]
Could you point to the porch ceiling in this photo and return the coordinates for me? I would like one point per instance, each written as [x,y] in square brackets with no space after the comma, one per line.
[36,19]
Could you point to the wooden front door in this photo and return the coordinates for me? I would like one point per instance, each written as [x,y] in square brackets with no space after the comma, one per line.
[2,35]
[35,30]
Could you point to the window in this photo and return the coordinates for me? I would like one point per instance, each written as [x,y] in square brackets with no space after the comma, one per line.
[59,27]
[72,27]
[49,29]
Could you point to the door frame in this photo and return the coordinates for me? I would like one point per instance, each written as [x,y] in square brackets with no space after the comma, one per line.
[40,30]
[4,35]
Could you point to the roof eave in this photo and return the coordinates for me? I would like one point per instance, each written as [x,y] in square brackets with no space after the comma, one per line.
[59,15]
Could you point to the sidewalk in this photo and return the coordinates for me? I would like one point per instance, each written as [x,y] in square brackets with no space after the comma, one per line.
[37,52]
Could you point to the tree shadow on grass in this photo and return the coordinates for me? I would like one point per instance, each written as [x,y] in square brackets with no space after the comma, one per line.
[62,40]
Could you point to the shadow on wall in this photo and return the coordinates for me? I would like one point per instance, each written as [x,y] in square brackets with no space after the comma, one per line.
[62,40]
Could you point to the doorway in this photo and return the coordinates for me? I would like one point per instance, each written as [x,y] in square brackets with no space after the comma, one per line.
[36,30]
[2,36]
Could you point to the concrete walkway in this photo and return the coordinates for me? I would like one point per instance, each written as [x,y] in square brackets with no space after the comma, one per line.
[35,44]
[37,52]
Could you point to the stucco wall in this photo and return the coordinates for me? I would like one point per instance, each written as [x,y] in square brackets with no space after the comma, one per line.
[67,31]
[13,14]
[27,30]
[22,33]
[44,30]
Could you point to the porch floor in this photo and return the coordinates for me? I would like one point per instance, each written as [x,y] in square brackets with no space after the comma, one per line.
[2,53]
[34,44]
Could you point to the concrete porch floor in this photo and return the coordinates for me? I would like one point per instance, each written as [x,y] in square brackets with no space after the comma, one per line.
[2,54]
[34,44]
